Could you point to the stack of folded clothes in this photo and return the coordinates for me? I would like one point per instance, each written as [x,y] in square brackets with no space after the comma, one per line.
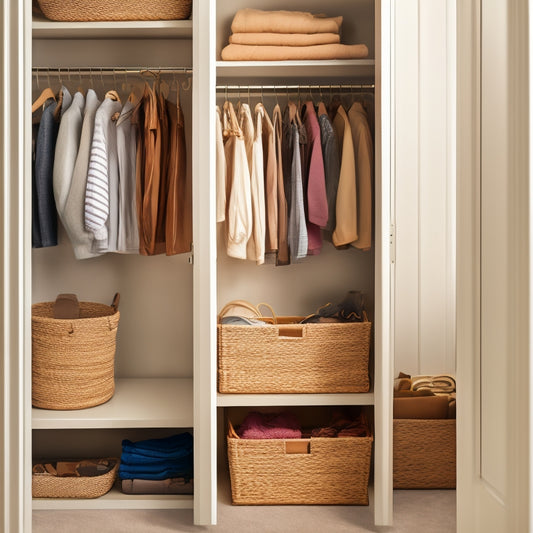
[287,35]
[157,466]
[424,397]
[344,424]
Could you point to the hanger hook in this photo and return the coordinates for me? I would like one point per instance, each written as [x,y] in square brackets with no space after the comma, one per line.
[37,78]
[48,77]
[188,84]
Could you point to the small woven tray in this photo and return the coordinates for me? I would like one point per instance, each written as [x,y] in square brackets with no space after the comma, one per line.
[104,10]
[48,486]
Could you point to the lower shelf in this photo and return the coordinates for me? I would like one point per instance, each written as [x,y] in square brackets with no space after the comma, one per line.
[115,499]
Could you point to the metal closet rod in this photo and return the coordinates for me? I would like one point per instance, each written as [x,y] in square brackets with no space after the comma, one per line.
[293,87]
[108,71]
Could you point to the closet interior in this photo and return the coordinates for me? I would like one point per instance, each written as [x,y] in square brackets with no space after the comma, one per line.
[166,358]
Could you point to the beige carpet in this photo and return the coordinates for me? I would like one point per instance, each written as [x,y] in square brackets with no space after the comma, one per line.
[431,511]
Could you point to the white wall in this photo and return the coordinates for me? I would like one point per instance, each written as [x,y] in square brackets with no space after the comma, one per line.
[424,163]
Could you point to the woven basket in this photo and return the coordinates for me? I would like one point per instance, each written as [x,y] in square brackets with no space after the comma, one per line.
[293,358]
[264,472]
[73,359]
[424,454]
[101,10]
[46,486]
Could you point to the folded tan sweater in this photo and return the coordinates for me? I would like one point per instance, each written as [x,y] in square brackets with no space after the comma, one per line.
[284,39]
[242,52]
[255,20]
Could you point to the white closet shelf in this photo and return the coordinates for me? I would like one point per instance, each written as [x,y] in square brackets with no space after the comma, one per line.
[339,69]
[263,400]
[137,403]
[115,499]
[154,29]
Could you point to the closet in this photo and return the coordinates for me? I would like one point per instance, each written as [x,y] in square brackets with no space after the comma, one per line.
[166,357]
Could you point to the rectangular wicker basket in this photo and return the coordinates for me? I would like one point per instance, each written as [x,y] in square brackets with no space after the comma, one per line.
[271,472]
[293,358]
[424,454]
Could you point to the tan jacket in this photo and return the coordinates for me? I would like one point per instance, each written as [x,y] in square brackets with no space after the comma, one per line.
[346,208]
[364,170]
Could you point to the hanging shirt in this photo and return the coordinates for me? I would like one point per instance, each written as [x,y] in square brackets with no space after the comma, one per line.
[256,244]
[317,203]
[44,177]
[101,197]
[330,153]
[346,208]
[74,209]
[68,142]
[283,215]
[364,162]
[238,193]
[221,168]
[179,198]
[271,184]
[128,229]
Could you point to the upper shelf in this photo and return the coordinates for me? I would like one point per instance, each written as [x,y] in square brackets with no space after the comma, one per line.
[158,29]
[339,69]
[136,403]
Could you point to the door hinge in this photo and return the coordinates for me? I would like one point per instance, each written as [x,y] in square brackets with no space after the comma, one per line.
[392,243]
[190,258]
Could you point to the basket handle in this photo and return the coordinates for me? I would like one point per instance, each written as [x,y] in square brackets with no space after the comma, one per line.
[231,431]
[115,302]
[255,309]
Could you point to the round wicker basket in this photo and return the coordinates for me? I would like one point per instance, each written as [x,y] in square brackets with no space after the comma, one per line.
[73,359]
[100,10]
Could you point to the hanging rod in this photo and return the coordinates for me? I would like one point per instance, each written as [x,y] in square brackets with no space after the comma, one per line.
[293,87]
[108,71]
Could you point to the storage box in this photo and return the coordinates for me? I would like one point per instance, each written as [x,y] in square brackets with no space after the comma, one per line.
[299,471]
[293,358]
[424,454]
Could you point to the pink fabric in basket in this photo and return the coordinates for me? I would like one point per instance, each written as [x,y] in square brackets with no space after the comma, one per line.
[270,426]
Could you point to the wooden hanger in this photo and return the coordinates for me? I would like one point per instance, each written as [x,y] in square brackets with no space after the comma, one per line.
[113,95]
[45,95]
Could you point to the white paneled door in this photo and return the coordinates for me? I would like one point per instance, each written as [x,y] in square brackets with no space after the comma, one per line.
[493,312]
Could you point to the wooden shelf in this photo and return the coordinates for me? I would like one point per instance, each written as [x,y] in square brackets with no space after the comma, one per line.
[257,400]
[158,29]
[280,71]
[115,499]
[137,403]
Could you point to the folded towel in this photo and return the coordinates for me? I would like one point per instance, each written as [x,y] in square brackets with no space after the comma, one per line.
[439,384]
[270,426]
[284,39]
[259,21]
[176,485]
[125,473]
[174,446]
[343,424]
[429,407]
[154,464]
[176,466]
[243,52]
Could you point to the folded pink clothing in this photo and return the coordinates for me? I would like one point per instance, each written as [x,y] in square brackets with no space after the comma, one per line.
[256,20]
[270,426]
[284,39]
[243,52]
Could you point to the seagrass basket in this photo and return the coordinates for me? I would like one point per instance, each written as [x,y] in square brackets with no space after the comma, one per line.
[47,486]
[102,10]
[288,357]
[318,470]
[424,453]
[73,360]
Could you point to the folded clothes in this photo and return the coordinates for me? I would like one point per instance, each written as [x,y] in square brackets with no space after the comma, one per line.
[284,39]
[130,462]
[177,485]
[125,473]
[343,424]
[175,446]
[439,384]
[270,426]
[259,21]
[428,407]
[243,52]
